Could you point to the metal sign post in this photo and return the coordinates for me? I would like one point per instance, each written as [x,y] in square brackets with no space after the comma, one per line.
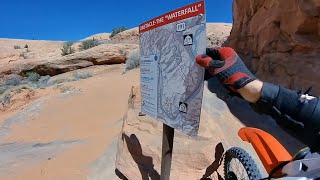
[167,145]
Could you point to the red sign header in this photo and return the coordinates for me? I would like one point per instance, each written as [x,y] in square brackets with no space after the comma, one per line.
[173,16]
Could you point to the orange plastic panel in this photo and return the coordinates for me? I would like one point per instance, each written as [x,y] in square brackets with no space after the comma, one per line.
[269,150]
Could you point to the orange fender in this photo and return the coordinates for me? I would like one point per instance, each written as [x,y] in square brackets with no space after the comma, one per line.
[269,150]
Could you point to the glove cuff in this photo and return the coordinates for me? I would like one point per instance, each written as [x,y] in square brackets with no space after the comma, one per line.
[238,80]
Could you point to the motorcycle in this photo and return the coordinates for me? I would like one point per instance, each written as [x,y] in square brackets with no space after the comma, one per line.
[277,161]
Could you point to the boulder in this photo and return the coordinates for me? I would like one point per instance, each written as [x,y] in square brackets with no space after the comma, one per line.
[99,55]
[99,37]
[217,33]
[279,40]
[139,146]
[128,36]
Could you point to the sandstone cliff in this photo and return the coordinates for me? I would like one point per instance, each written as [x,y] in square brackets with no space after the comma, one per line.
[279,40]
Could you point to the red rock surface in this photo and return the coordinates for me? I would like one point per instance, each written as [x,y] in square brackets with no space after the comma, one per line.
[279,40]
[140,141]
[45,57]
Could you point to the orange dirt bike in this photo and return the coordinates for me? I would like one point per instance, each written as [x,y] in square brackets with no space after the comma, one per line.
[276,160]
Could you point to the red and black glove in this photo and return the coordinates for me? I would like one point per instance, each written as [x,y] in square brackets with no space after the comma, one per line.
[227,65]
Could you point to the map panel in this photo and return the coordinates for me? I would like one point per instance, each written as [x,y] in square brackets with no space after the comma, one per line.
[171,80]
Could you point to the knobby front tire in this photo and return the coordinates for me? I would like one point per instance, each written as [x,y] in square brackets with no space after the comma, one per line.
[237,159]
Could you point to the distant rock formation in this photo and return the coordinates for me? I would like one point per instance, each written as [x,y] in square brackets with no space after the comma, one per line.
[99,55]
[45,57]
[217,33]
[128,36]
[279,40]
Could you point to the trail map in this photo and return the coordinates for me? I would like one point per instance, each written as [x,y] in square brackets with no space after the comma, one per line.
[171,80]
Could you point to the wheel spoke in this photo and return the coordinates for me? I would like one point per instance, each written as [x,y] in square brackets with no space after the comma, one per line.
[239,165]
[239,169]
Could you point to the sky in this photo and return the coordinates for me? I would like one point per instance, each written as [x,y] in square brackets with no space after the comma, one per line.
[71,20]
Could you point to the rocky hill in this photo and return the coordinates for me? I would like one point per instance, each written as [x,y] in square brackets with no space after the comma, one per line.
[44,57]
[279,40]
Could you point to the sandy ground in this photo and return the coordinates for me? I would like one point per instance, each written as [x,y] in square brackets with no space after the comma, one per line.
[67,136]
[73,135]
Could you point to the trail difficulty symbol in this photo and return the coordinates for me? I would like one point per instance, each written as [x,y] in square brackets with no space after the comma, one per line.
[188,39]
[183,107]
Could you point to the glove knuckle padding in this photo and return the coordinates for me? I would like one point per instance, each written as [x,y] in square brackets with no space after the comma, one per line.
[227,65]
[226,52]
[213,53]
[234,72]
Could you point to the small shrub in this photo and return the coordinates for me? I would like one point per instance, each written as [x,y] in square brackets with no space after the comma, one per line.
[81,75]
[65,89]
[33,76]
[122,52]
[3,88]
[24,55]
[52,82]
[87,44]
[133,60]
[16,47]
[43,81]
[117,31]
[13,80]
[4,100]
[67,48]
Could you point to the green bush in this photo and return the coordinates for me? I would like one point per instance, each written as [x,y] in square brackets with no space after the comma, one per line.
[4,100]
[13,80]
[65,89]
[81,75]
[43,81]
[87,44]
[133,60]
[16,47]
[24,55]
[4,88]
[52,82]
[117,31]
[122,52]
[5,97]
[67,48]
[33,76]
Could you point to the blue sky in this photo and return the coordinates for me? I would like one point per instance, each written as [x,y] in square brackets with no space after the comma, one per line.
[76,19]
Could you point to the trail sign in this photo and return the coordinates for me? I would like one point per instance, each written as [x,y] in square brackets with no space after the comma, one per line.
[171,81]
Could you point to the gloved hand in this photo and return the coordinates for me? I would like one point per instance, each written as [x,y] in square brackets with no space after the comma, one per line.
[227,65]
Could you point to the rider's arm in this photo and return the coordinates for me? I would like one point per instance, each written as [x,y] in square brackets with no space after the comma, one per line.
[252,91]
[283,104]
[300,107]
